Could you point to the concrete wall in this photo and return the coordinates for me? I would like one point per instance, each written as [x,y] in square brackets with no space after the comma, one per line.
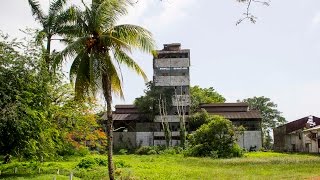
[124,140]
[181,100]
[172,62]
[163,142]
[250,139]
[170,118]
[144,138]
[312,143]
[171,80]
[279,138]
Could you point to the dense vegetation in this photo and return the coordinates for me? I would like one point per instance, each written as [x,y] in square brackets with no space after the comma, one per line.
[216,137]
[254,165]
[271,116]
[39,118]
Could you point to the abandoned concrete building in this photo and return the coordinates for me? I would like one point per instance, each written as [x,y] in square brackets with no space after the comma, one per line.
[302,135]
[171,70]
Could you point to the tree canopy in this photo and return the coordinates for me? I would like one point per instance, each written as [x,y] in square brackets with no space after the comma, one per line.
[39,118]
[204,95]
[271,116]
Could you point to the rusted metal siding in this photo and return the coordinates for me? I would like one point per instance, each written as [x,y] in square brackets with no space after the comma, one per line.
[225,107]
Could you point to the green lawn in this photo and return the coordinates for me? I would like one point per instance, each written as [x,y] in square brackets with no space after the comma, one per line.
[257,165]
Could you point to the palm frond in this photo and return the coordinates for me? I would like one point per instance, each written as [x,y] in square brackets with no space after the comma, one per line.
[82,84]
[110,71]
[135,36]
[56,6]
[67,16]
[40,35]
[108,12]
[71,50]
[123,58]
[108,39]
[75,66]
[92,71]
[36,10]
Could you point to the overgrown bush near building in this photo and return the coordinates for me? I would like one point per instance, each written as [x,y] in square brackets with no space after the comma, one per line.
[90,162]
[215,139]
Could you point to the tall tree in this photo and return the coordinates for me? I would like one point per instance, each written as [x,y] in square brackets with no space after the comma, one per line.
[204,95]
[100,47]
[55,22]
[271,117]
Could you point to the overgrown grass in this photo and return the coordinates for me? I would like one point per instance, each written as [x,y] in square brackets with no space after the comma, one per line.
[256,165]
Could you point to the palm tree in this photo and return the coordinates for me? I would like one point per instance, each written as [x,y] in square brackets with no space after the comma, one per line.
[56,22]
[100,48]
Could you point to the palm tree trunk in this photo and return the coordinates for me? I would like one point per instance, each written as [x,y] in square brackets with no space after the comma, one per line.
[108,97]
[47,56]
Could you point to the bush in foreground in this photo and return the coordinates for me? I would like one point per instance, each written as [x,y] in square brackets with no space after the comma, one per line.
[216,139]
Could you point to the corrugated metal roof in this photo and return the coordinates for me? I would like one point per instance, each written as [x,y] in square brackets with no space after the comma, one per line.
[125,117]
[299,124]
[239,115]
[224,104]
[122,117]
[228,115]
[125,106]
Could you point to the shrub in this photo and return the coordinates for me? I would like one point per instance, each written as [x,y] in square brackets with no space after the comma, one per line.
[237,151]
[121,164]
[198,119]
[215,139]
[123,151]
[144,150]
[91,162]
[83,151]
[151,152]
[86,163]
[171,151]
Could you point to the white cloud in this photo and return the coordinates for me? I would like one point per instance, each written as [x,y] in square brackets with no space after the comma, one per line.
[316,19]
[136,12]
[171,11]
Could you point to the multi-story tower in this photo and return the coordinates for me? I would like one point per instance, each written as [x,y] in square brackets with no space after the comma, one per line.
[171,70]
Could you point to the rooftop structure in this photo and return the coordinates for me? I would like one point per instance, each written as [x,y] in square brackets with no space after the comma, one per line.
[296,135]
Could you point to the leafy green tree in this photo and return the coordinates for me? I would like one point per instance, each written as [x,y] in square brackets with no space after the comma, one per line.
[23,98]
[198,119]
[204,95]
[55,23]
[271,117]
[39,118]
[148,104]
[216,139]
[100,46]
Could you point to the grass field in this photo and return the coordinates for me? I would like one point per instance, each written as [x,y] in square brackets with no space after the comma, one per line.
[256,165]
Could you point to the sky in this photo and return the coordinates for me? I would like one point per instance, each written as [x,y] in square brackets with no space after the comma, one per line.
[277,57]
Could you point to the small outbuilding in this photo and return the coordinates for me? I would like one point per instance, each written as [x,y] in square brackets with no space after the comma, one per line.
[302,135]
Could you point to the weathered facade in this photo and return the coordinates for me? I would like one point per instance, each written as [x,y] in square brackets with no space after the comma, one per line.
[134,130]
[240,115]
[302,135]
[171,71]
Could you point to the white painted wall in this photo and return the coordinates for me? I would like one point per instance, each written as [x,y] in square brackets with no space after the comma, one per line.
[250,139]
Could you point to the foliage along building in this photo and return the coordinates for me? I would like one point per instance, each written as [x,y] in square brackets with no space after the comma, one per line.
[171,71]
[301,135]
